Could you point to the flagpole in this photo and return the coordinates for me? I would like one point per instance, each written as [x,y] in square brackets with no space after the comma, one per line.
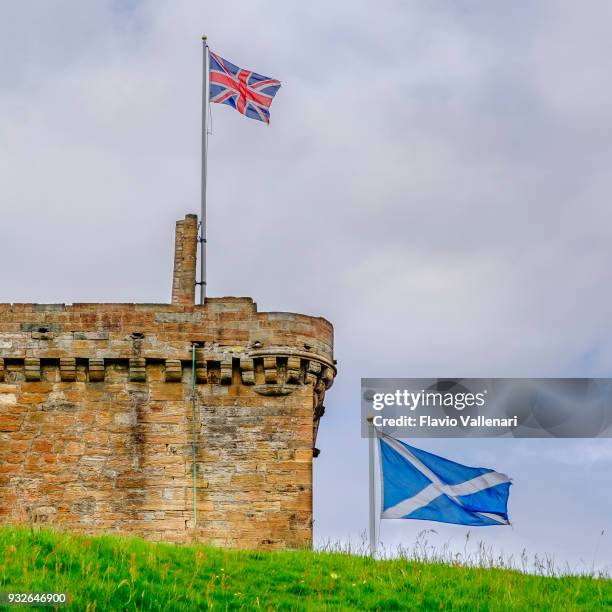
[371,436]
[202,239]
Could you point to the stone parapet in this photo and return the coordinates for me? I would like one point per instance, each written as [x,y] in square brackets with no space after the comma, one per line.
[96,427]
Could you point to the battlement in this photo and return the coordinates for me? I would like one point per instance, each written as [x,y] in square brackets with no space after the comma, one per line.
[97,405]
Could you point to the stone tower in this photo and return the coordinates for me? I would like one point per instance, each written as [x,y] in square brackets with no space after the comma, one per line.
[96,405]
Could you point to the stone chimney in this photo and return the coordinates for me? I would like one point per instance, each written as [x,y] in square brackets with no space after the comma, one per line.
[185,258]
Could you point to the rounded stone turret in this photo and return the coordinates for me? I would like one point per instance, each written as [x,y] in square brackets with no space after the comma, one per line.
[96,415]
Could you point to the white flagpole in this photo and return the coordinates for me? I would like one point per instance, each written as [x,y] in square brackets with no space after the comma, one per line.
[202,239]
[371,440]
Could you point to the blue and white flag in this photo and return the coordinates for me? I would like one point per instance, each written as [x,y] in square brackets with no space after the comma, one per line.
[420,485]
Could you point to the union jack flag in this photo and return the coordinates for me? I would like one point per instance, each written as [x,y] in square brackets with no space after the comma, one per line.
[248,92]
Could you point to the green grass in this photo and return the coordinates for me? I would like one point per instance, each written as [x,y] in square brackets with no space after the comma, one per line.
[111,573]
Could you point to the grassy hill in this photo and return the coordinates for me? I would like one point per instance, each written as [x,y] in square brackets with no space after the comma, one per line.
[110,573]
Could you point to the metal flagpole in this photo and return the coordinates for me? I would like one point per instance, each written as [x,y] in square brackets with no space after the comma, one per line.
[371,438]
[202,239]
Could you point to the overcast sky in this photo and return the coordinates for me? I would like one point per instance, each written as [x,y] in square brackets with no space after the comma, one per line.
[435,181]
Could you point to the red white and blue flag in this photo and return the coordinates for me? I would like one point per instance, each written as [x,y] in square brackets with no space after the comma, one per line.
[248,92]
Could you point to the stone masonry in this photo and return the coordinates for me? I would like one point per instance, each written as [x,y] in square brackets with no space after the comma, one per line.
[96,404]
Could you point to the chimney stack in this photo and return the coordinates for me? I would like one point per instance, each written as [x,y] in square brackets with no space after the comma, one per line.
[185,259]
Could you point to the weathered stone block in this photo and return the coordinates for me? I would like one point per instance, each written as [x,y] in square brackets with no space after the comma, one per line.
[91,335]
[138,369]
[226,372]
[32,369]
[9,422]
[294,370]
[68,369]
[247,371]
[174,370]
[270,370]
[96,370]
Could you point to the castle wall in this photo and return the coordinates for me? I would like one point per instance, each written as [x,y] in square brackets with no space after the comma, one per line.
[96,427]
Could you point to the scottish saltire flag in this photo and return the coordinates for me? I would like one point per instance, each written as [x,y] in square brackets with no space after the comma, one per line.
[248,92]
[421,485]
